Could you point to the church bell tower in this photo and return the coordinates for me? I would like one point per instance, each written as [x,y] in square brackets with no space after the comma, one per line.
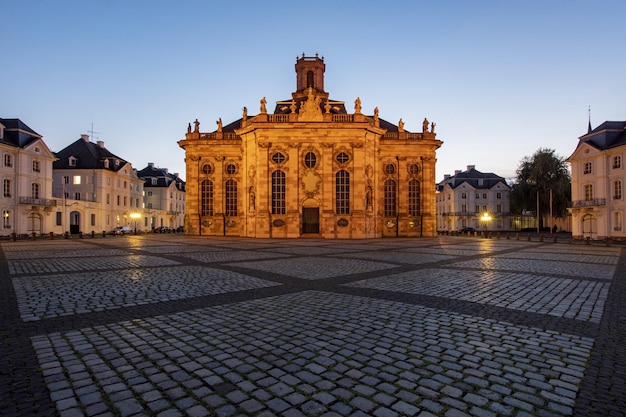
[310,73]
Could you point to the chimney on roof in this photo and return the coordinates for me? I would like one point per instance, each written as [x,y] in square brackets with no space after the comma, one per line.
[100,143]
[176,174]
[457,172]
[446,177]
[471,167]
[150,164]
[85,137]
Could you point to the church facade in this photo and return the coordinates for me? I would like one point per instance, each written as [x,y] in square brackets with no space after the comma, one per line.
[310,168]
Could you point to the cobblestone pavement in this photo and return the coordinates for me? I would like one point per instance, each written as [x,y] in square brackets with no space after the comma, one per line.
[168,325]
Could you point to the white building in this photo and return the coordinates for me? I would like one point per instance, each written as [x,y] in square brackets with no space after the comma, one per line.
[164,197]
[96,190]
[473,199]
[598,177]
[26,172]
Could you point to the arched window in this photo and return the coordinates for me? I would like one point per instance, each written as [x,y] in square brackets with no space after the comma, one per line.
[390,198]
[588,190]
[231,198]
[6,219]
[207,198]
[35,190]
[414,198]
[342,192]
[278,192]
[617,190]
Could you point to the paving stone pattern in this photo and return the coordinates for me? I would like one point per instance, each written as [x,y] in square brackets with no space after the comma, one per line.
[168,325]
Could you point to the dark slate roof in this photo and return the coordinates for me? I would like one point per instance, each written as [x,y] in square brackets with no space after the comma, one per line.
[472,177]
[89,155]
[163,177]
[390,127]
[17,133]
[607,135]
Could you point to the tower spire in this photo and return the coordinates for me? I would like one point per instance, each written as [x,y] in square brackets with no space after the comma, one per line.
[589,119]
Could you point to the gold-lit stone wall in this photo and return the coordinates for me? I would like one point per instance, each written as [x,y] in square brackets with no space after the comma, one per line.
[310,123]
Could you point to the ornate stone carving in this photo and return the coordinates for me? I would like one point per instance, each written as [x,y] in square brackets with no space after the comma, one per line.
[310,109]
[310,181]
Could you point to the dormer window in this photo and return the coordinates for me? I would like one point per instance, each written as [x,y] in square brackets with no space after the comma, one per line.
[106,163]
[154,181]
[72,161]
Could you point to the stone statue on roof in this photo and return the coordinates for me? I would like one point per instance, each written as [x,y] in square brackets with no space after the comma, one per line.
[425,125]
[219,124]
[357,105]
[263,103]
[400,126]
[197,126]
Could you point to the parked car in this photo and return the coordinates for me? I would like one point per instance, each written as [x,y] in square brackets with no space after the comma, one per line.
[121,230]
[162,229]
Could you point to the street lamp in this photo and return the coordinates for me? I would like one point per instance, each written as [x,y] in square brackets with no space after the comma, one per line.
[485,218]
[135,216]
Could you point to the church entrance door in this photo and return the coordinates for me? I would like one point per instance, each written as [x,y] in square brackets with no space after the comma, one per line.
[310,220]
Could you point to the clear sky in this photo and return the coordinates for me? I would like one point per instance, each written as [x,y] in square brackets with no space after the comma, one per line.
[500,78]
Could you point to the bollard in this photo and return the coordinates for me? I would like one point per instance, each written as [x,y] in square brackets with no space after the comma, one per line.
[508,237]
[498,235]
[51,234]
[104,233]
[66,235]
[554,239]
[608,241]
[587,240]
[528,238]
[516,236]
[13,237]
[80,235]
[93,234]
[33,236]
[570,240]
[489,235]
[541,238]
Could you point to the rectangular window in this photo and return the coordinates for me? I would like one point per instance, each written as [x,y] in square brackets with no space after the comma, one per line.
[588,189]
[118,200]
[463,208]
[477,209]
[414,197]
[587,168]
[7,188]
[231,198]
[499,195]
[8,160]
[463,195]
[93,219]
[76,179]
[149,193]
[124,201]
[342,192]
[477,195]
[499,208]
[390,198]
[617,190]
[59,218]
[485,195]
[76,196]
[6,219]
[108,199]
[66,179]
[278,193]
[617,161]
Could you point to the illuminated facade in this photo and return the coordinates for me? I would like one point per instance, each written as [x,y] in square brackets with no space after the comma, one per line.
[310,168]
[473,199]
[598,177]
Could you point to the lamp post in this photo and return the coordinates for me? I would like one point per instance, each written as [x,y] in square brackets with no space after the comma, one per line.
[135,216]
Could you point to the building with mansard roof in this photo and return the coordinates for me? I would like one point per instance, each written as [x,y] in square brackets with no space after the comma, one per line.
[473,199]
[598,177]
[310,168]
[97,190]
[26,170]
[164,197]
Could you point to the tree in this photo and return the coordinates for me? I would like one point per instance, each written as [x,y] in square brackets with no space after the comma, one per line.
[538,176]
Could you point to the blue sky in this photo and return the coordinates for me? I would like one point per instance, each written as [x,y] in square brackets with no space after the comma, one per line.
[500,78]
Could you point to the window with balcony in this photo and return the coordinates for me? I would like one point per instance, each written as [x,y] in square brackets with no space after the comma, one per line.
[587,168]
[588,192]
[617,190]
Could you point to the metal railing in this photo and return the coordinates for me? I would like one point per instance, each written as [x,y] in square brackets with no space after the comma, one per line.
[38,201]
[588,203]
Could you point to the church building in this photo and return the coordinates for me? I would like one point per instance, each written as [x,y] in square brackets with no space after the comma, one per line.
[310,168]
